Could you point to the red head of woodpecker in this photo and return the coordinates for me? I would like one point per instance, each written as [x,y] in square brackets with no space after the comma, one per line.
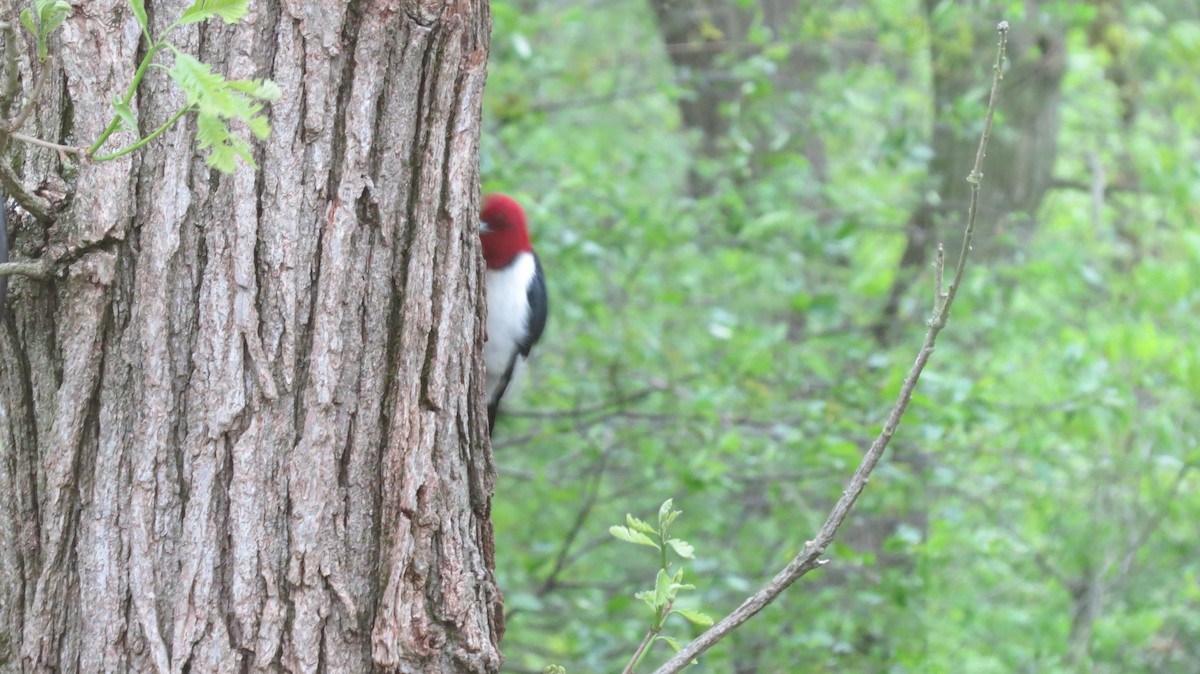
[516,295]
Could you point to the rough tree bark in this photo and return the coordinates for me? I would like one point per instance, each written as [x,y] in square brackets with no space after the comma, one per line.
[243,429]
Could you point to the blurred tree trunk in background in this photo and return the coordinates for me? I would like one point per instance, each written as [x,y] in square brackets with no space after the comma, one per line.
[242,431]
[707,42]
[694,34]
[1023,147]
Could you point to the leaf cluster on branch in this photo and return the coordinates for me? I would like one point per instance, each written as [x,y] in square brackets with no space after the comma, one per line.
[217,101]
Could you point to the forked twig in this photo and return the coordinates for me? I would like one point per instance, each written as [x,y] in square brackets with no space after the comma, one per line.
[810,557]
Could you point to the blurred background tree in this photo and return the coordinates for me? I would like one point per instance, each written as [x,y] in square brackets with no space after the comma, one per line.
[736,203]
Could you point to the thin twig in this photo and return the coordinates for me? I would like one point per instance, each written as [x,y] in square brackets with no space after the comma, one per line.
[617,402]
[589,502]
[562,558]
[939,269]
[637,655]
[1109,188]
[38,207]
[1099,185]
[810,557]
[31,100]
[129,92]
[69,149]
[37,269]
[140,142]
[1147,528]
[649,639]
[11,68]
[557,105]
[1018,543]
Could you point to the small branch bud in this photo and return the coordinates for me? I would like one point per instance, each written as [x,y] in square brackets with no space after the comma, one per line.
[939,268]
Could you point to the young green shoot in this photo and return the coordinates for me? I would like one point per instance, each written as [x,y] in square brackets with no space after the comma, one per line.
[667,584]
[42,19]
[216,100]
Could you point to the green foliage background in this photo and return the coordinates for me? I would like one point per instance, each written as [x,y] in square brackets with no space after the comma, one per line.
[1038,510]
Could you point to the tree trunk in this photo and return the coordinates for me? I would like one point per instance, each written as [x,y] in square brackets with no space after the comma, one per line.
[243,427]
[683,25]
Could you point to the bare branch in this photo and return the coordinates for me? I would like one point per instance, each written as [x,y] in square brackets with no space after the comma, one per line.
[69,149]
[648,639]
[617,402]
[810,557]
[1109,188]
[637,655]
[1145,529]
[562,558]
[31,100]
[1098,188]
[37,269]
[11,72]
[38,207]
[939,270]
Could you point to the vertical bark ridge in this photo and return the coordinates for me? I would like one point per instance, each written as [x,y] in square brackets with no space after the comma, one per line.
[81,355]
[407,639]
[66,395]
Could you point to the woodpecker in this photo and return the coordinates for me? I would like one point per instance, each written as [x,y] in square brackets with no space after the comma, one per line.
[516,295]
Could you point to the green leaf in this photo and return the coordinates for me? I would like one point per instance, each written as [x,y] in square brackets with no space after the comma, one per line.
[214,137]
[139,13]
[670,641]
[261,89]
[224,148]
[52,13]
[203,87]
[231,11]
[674,644]
[682,548]
[639,525]
[49,15]
[631,536]
[695,617]
[212,92]
[677,584]
[259,126]
[28,22]
[125,114]
[662,589]
[664,514]
[648,597]
[217,101]
[44,8]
